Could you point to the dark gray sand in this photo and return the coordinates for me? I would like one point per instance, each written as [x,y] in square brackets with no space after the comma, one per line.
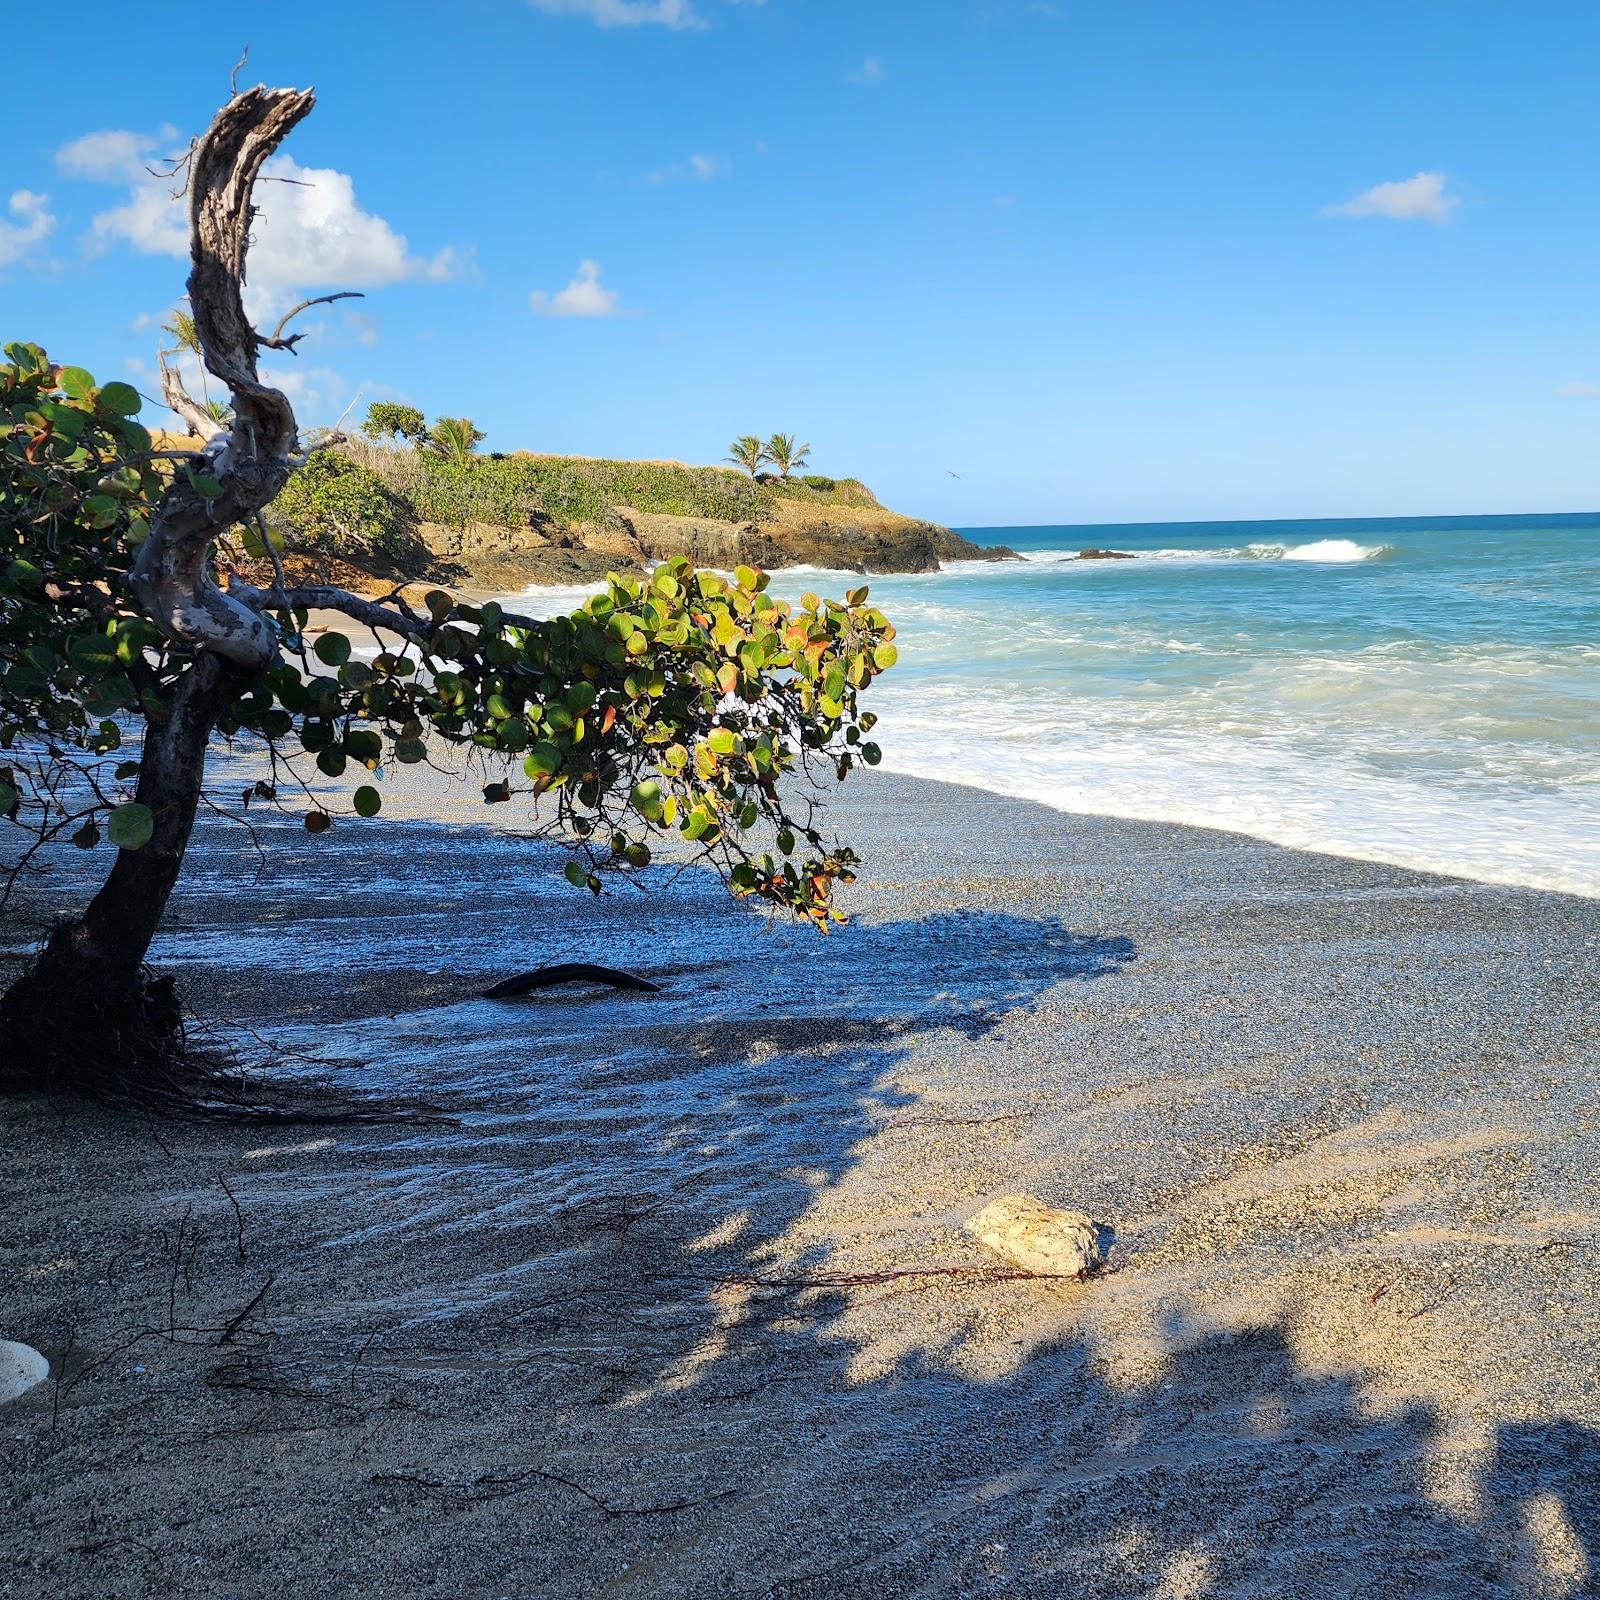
[1341,1117]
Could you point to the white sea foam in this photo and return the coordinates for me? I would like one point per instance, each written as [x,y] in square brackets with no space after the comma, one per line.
[1394,805]
[1332,550]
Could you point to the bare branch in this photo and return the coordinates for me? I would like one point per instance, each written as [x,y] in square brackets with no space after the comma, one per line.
[249,461]
[375,614]
[389,614]
[238,67]
[276,341]
[178,399]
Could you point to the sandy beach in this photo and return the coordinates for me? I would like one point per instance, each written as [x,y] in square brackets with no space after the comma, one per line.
[625,1326]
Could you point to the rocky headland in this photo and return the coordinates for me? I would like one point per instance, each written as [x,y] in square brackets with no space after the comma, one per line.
[504,522]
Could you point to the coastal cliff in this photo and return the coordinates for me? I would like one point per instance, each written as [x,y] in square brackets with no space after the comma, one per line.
[504,522]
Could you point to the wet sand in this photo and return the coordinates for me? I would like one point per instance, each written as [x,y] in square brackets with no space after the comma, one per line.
[609,1335]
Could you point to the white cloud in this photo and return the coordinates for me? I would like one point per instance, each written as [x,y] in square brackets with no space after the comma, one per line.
[35,220]
[868,74]
[585,296]
[113,153]
[1579,391]
[625,13]
[310,233]
[318,394]
[1419,199]
[697,169]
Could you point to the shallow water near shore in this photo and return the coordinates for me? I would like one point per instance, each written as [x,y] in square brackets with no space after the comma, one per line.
[1419,691]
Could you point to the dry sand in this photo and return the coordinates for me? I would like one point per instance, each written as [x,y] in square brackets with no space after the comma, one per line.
[1341,1117]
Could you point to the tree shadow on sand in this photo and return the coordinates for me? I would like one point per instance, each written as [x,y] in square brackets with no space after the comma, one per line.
[567,1346]
[641,1230]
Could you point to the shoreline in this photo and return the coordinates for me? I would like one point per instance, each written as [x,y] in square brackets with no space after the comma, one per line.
[1402,855]
[1342,1119]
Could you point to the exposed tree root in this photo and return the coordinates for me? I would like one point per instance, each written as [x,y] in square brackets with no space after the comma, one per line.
[65,1031]
[568,972]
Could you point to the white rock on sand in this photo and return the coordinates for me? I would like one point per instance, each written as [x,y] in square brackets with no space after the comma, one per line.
[1036,1237]
[21,1369]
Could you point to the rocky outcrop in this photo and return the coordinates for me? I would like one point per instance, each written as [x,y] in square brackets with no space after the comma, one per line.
[1106,555]
[486,556]
[706,542]
[866,539]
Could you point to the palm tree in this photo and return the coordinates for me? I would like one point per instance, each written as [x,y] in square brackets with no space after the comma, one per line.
[454,437]
[184,337]
[748,452]
[785,454]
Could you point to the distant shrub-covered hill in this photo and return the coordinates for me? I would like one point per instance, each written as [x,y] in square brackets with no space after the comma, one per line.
[497,520]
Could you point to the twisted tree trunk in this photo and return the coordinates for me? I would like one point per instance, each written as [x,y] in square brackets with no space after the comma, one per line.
[85,1015]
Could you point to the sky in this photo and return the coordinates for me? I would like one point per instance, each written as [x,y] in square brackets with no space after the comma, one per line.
[1008,261]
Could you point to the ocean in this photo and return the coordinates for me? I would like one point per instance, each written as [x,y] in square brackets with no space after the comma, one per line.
[1419,691]
[1422,691]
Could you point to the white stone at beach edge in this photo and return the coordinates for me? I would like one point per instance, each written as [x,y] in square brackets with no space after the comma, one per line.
[21,1369]
[1036,1237]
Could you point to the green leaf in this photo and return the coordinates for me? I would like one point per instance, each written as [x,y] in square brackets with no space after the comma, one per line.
[332,648]
[8,798]
[368,802]
[121,398]
[87,837]
[129,826]
[646,800]
[205,485]
[331,760]
[885,657]
[576,873]
[542,760]
[76,382]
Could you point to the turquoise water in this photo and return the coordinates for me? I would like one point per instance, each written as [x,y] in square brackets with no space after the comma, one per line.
[1419,691]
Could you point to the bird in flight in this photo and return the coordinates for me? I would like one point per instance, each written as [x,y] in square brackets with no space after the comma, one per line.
[953,474]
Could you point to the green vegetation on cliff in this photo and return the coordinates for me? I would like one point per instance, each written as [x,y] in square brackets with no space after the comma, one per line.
[514,491]
[363,502]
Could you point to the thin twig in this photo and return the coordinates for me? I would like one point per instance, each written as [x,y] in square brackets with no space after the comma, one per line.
[255,1300]
[238,1215]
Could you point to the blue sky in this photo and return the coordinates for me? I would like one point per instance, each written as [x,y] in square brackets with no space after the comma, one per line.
[1112,261]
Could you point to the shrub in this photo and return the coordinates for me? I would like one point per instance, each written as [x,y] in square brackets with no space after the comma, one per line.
[386,419]
[337,505]
[511,491]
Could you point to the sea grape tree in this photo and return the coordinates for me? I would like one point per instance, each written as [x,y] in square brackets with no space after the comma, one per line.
[388,419]
[684,703]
